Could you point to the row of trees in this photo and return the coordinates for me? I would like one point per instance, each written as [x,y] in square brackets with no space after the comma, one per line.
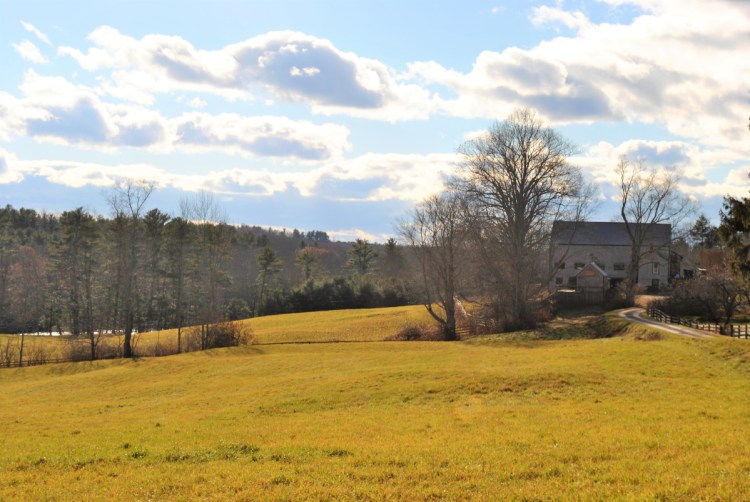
[142,269]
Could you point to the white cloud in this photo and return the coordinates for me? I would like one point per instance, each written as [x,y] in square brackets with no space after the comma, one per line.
[545,14]
[377,177]
[30,52]
[55,110]
[669,66]
[8,170]
[288,66]
[31,29]
[702,171]
[369,177]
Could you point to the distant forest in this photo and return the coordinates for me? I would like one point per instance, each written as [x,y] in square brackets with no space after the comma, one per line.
[143,270]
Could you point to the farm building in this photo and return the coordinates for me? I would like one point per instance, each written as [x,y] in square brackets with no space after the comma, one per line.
[574,245]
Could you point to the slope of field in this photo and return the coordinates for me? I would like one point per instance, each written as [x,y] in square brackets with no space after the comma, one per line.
[334,325]
[636,416]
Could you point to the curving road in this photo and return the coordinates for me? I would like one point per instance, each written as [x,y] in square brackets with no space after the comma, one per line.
[634,315]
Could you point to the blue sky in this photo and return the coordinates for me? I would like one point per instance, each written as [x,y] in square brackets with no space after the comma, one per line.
[341,115]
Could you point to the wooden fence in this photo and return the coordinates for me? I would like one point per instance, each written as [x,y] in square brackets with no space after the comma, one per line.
[33,362]
[734,330]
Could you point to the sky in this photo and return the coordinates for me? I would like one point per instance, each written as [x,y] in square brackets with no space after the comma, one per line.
[341,115]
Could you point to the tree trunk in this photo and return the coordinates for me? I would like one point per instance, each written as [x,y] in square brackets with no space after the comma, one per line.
[20,354]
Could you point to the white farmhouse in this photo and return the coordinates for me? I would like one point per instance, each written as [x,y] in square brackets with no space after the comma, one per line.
[574,245]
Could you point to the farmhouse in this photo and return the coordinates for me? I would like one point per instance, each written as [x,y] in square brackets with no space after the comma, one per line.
[574,245]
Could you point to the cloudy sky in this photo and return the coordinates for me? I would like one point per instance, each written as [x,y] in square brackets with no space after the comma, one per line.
[339,115]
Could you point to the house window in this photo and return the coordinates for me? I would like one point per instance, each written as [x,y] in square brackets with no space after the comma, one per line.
[655,268]
[558,281]
[579,265]
[619,266]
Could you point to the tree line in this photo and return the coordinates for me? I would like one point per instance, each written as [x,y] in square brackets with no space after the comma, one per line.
[141,269]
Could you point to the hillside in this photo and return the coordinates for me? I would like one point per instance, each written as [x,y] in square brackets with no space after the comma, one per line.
[485,419]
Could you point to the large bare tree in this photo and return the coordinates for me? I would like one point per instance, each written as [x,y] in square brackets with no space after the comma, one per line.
[128,201]
[647,198]
[518,179]
[435,233]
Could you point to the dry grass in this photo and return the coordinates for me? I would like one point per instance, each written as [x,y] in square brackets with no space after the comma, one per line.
[486,419]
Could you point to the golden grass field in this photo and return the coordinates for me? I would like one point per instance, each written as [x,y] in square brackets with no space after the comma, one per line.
[640,416]
[334,325]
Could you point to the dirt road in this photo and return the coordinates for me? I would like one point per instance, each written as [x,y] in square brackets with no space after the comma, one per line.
[634,315]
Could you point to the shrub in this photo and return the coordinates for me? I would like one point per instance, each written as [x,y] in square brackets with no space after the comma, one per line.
[418,333]
[220,334]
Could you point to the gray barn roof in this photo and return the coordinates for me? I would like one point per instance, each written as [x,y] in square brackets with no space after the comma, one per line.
[606,233]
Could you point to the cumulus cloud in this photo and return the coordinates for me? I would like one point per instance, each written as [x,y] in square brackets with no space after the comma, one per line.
[56,110]
[289,66]
[30,52]
[668,66]
[702,170]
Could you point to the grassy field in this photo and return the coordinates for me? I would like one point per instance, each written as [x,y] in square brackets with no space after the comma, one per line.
[335,325]
[638,416]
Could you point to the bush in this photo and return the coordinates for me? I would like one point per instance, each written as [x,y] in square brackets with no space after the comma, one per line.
[713,298]
[220,334]
[418,333]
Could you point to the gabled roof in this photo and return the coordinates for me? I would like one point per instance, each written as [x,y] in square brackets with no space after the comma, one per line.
[607,233]
[591,269]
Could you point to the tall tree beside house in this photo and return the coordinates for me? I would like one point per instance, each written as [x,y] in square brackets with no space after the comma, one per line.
[703,234]
[436,234]
[647,198]
[518,180]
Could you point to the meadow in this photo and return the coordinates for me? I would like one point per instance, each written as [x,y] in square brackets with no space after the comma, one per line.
[311,327]
[639,416]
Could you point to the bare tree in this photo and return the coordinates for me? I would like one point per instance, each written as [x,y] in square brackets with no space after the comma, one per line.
[211,248]
[518,181]
[128,202]
[436,236]
[647,198]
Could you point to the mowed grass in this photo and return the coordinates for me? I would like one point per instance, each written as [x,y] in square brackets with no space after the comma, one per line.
[491,418]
